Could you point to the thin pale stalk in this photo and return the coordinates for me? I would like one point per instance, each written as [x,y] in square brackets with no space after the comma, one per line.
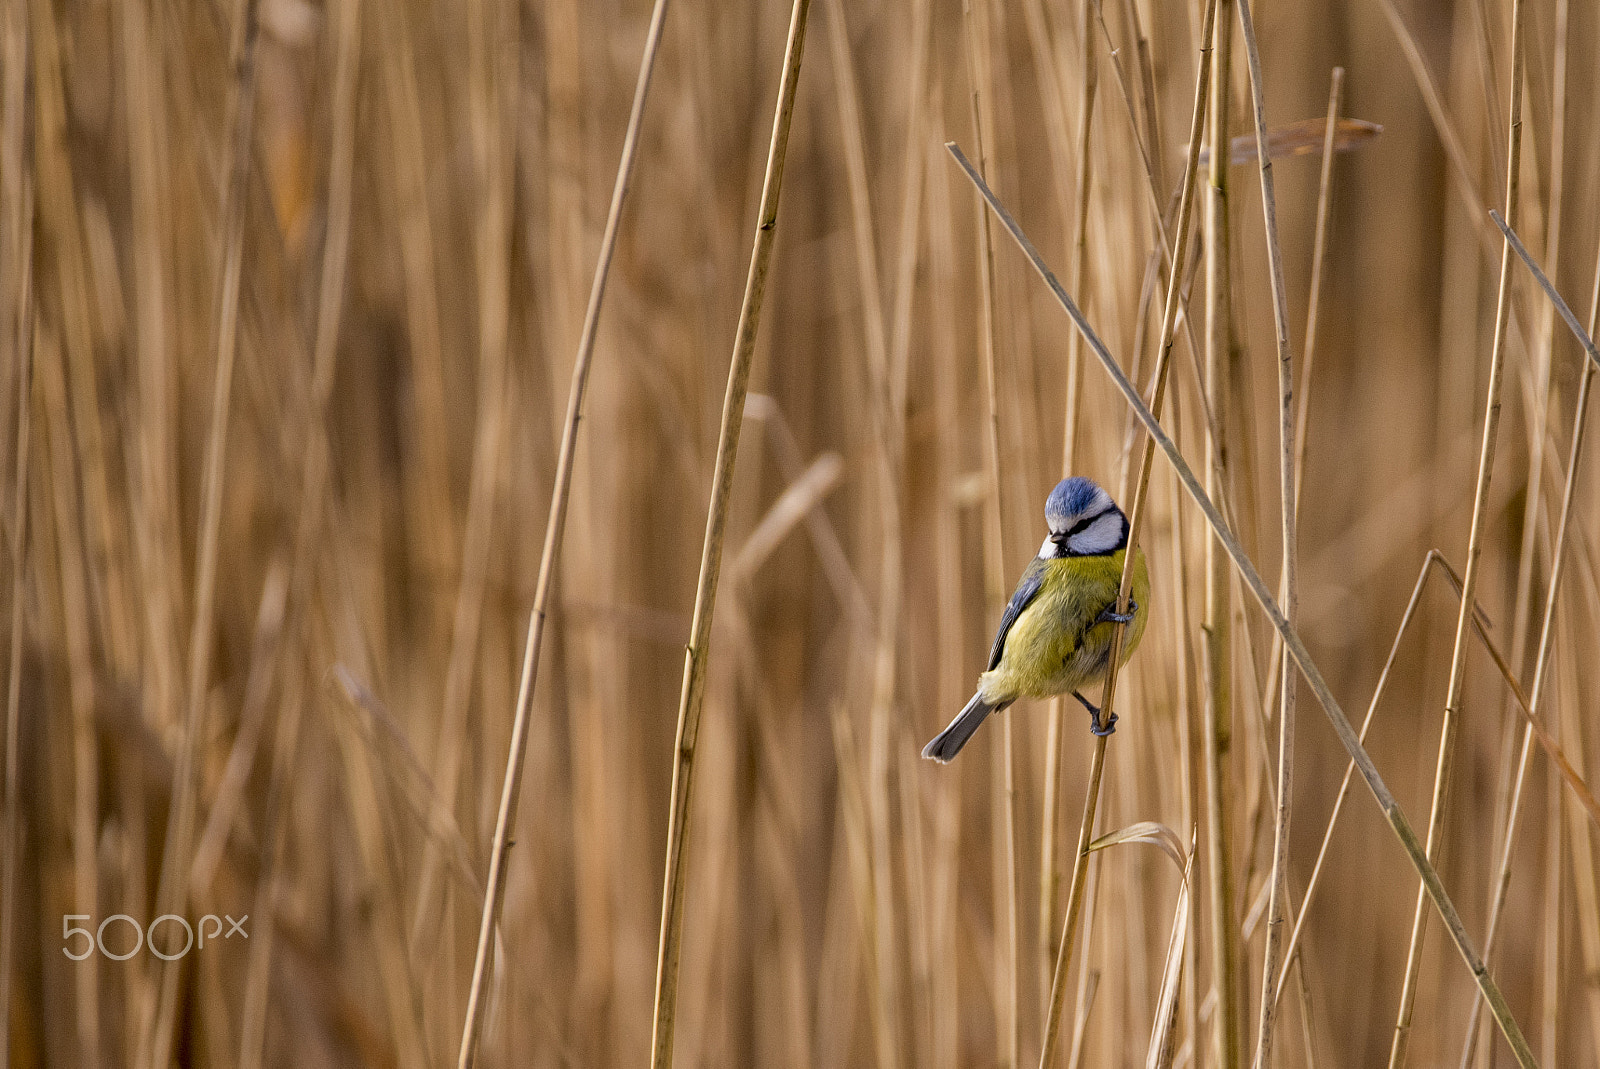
[887,454]
[554,529]
[172,890]
[493,138]
[1319,251]
[944,1029]
[1277,906]
[1502,880]
[17,250]
[976,39]
[695,657]
[60,463]
[1480,505]
[1135,518]
[1049,874]
[156,524]
[1088,976]
[1309,671]
[1538,401]
[1217,729]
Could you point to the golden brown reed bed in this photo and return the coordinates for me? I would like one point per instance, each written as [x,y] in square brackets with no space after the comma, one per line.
[390,215]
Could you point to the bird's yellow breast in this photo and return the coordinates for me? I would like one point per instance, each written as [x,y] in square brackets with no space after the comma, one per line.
[1056,646]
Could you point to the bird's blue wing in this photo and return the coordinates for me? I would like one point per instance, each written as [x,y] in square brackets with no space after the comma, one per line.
[1028,586]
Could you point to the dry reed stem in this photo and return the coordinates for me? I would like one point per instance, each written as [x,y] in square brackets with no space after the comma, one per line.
[272,883]
[697,653]
[554,529]
[494,145]
[1580,840]
[1217,730]
[1585,337]
[1277,907]
[156,529]
[1088,988]
[229,793]
[75,228]
[1536,404]
[1308,669]
[944,1033]
[824,538]
[74,616]
[75,452]
[1313,303]
[1136,517]
[16,288]
[172,890]
[1049,874]
[380,887]
[1461,166]
[1458,659]
[888,456]
[290,598]
[1302,419]
[428,450]
[1580,422]
[977,44]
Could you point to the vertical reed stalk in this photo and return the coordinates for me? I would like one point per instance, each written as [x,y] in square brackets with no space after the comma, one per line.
[494,135]
[1541,661]
[674,882]
[1538,434]
[1008,1030]
[172,890]
[16,287]
[888,456]
[309,529]
[554,529]
[75,621]
[945,1031]
[1277,907]
[1319,251]
[1049,869]
[156,530]
[1217,735]
[1136,516]
[1480,504]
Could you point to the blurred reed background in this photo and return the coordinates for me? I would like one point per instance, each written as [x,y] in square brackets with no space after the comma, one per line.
[291,295]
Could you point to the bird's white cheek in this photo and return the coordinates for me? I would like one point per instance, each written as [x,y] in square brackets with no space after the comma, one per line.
[1101,536]
[1049,549]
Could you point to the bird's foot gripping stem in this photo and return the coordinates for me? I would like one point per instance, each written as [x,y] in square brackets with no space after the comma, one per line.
[1094,717]
[1110,615]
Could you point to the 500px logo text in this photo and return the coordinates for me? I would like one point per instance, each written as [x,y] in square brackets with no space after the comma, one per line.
[210,927]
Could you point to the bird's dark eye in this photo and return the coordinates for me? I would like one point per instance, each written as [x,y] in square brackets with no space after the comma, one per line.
[1081,526]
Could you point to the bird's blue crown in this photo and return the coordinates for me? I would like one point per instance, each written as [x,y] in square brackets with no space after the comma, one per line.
[1072,498]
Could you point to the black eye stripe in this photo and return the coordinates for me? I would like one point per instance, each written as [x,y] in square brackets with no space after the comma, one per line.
[1082,525]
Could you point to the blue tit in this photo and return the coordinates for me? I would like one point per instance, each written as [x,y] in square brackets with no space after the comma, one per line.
[1055,636]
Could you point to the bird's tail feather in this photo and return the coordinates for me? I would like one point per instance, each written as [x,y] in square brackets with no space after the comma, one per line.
[948,742]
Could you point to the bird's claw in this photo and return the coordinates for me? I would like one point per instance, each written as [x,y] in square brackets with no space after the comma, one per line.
[1094,717]
[1110,615]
